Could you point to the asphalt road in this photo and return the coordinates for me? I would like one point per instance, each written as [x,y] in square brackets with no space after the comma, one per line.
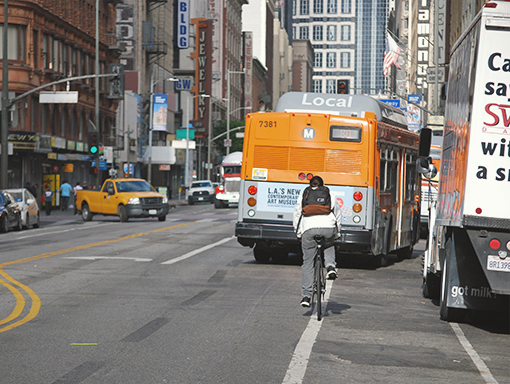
[181,301]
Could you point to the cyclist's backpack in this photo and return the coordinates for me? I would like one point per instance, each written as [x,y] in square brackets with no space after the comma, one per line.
[316,201]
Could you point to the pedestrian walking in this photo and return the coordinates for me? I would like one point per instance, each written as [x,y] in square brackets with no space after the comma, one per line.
[76,188]
[48,199]
[169,190]
[65,194]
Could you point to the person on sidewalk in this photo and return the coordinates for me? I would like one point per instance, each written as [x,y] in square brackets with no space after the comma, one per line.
[48,199]
[65,194]
[76,188]
[322,216]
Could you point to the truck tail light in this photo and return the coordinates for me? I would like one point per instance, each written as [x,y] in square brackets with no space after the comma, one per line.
[494,243]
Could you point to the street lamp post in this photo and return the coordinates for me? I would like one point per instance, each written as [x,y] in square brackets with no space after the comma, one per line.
[186,170]
[209,135]
[229,72]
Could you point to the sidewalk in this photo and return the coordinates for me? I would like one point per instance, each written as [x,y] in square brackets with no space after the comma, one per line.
[58,215]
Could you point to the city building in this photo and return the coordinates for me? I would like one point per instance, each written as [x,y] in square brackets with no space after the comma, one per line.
[48,41]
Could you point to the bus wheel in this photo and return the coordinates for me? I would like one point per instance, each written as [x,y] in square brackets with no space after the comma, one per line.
[405,253]
[279,255]
[261,253]
[380,261]
[447,313]
[431,286]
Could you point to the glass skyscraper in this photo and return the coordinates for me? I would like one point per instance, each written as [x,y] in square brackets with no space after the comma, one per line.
[349,41]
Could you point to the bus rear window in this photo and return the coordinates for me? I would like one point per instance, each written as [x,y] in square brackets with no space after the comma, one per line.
[338,133]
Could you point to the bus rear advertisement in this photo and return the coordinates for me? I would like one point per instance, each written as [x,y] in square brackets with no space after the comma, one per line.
[363,151]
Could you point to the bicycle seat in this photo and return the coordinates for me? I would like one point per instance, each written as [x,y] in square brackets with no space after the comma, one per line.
[319,239]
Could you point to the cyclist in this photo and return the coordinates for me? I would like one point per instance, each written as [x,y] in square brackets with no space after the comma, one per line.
[326,223]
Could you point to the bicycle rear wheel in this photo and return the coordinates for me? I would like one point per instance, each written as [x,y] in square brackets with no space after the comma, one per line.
[319,285]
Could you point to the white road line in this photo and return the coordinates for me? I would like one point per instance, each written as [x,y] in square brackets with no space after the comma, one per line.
[141,259]
[197,251]
[297,367]
[42,231]
[206,220]
[480,365]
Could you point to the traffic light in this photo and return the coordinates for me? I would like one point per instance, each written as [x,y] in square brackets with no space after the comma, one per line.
[93,143]
[343,87]
[116,89]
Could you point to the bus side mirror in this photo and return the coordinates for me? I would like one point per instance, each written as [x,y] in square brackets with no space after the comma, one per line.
[425,167]
[425,140]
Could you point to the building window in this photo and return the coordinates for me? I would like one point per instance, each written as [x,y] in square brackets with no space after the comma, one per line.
[332,6]
[303,33]
[345,59]
[294,37]
[331,33]
[330,86]
[16,44]
[317,32]
[346,6]
[345,33]
[304,7]
[294,7]
[318,6]
[331,60]
[318,60]
[317,86]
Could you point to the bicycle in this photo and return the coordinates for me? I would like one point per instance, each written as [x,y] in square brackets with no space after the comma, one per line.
[319,276]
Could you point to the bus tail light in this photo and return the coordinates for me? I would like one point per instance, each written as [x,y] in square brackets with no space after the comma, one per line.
[252,190]
[357,207]
[252,201]
[301,176]
[358,196]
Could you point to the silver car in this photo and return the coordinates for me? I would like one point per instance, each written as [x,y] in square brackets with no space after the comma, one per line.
[27,204]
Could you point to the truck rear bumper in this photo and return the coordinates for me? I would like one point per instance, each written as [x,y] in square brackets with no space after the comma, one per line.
[147,210]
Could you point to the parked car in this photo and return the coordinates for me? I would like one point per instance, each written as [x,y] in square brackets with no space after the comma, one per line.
[10,214]
[27,204]
[201,191]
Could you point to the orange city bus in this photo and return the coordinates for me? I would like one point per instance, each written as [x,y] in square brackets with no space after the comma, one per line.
[360,147]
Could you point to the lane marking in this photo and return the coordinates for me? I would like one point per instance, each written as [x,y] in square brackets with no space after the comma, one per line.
[36,301]
[480,364]
[197,251]
[297,367]
[142,259]
[55,232]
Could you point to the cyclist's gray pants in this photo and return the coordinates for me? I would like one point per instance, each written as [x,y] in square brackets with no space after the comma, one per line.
[309,247]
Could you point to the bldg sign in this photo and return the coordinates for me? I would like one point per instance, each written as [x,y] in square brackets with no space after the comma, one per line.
[424,37]
[203,75]
[248,65]
[183,24]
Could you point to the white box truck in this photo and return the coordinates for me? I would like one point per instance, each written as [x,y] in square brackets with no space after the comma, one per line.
[467,263]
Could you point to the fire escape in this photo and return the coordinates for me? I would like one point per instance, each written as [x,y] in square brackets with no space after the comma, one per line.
[153,32]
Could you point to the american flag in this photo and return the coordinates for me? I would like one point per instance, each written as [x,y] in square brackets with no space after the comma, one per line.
[390,55]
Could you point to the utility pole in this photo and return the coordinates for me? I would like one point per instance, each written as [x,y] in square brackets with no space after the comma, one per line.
[4,157]
[98,125]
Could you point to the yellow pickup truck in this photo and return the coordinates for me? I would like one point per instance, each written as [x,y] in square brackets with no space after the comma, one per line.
[124,198]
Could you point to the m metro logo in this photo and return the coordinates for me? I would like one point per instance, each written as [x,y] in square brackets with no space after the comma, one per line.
[308,133]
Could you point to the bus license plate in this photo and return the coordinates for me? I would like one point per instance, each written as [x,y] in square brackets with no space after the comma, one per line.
[153,212]
[495,263]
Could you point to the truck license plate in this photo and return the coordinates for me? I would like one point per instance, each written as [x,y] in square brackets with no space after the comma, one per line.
[200,198]
[495,263]
[153,212]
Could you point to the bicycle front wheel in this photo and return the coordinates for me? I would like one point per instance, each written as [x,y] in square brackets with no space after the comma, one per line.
[319,284]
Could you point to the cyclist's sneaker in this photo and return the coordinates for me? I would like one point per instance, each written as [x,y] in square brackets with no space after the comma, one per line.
[305,301]
[332,275]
